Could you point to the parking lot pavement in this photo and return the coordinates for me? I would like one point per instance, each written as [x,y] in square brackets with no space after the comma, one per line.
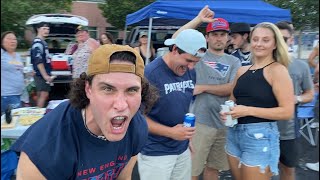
[308,154]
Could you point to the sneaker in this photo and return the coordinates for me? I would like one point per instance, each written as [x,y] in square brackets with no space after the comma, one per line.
[314,125]
[313,166]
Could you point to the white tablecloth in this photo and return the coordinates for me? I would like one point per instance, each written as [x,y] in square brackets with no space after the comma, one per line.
[14,133]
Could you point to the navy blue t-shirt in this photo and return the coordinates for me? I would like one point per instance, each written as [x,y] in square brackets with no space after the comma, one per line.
[176,93]
[40,54]
[61,147]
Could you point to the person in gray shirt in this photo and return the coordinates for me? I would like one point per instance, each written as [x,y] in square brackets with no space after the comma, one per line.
[214,75]
[303,89]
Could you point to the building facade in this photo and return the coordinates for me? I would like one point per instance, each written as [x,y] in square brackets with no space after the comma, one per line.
[90,10]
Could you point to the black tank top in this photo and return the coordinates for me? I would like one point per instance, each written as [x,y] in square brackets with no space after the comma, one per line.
[144,58]
[252,89]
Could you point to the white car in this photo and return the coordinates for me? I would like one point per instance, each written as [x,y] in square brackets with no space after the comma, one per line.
[62,34]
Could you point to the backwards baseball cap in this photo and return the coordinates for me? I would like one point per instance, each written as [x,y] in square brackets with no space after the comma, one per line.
[99,62]
[219,24]
[239,28]
[190,41]
[81,28]
[143,33]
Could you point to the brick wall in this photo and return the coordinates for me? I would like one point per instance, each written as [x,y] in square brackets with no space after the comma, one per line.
[91,11]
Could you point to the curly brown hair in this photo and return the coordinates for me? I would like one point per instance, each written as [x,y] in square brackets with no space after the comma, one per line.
[79,99]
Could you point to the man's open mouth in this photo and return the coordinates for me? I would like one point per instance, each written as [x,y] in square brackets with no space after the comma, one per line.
[118,122]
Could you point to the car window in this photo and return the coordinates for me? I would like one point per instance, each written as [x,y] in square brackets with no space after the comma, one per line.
[58,44]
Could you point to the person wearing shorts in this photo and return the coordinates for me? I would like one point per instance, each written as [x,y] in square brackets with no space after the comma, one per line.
[303,89]
[41,63]
[166,156]
[41,84]
[263,93]
[214,75]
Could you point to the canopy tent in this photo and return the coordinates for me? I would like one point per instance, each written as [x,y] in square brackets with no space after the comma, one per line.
[179,12]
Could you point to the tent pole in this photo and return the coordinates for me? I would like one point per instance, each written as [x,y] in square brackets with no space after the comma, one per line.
[125,35]
[149,40]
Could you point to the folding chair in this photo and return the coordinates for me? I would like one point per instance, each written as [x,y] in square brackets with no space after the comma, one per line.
[306,116]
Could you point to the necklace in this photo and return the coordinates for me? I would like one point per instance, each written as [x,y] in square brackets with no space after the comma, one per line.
[83,112]
[253,71]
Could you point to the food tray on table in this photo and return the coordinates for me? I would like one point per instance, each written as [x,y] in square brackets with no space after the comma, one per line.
[22,118]
[28,111]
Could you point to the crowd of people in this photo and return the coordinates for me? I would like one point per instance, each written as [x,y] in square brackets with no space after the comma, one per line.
[123,110]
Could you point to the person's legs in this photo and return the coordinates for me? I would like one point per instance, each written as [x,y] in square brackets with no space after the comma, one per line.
[217,158]
[233,151]
[234,167]
[202,142]
[286,173]
[42,99]
[210,174]
[288,159]
[254,173]
[156,167]
[182,168]
[43,90]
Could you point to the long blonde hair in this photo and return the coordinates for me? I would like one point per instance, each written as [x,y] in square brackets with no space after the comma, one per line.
[280,54]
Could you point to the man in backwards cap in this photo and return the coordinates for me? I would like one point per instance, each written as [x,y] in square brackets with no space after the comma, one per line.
[239,33]
[215,74]
[96,134]
[41,62]
[166,154]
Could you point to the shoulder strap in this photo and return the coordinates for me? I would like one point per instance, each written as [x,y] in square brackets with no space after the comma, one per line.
[249,68]
[268,64]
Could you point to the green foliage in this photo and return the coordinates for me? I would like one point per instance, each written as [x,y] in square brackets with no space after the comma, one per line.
[14,13]
[116,10]
[304,13]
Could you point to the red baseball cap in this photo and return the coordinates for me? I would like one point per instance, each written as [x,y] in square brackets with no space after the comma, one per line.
[219,24]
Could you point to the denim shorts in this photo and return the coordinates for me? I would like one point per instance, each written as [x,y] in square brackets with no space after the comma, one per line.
[255,144]
[14,101]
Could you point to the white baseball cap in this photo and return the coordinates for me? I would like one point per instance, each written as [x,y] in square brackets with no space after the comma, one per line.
[190,41]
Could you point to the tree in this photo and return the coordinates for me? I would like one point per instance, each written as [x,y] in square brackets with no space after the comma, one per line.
[305,13]
[116,11]
[14,13]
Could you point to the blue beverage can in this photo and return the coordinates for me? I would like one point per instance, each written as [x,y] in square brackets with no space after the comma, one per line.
[189,120]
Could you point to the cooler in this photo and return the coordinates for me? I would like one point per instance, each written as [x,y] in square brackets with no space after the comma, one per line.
[60,62]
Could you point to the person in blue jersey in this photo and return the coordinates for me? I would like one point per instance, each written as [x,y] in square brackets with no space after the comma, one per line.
[99,132]
[41,62]
[12,79]
[239,33]
[303,89]
[167,154]
[264,95]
